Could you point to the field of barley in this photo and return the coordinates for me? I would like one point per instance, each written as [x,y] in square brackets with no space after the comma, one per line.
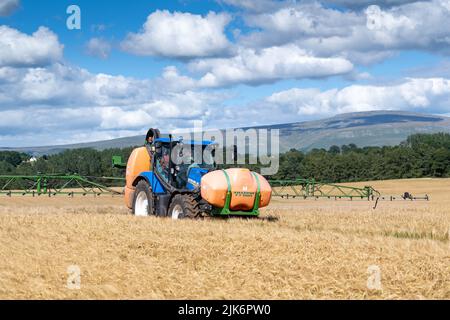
[317,249]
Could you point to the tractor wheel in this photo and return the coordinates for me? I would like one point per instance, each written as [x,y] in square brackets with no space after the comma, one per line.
[143,199]
[184,206]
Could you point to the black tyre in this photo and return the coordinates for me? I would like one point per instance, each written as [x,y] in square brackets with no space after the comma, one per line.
[184,206]
[143,204]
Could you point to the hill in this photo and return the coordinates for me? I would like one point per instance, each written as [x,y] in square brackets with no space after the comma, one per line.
[375,128]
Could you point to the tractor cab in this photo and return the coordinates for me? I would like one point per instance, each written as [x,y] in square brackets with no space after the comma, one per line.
[181,164]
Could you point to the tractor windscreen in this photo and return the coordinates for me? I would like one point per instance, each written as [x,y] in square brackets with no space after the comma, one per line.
[188,156]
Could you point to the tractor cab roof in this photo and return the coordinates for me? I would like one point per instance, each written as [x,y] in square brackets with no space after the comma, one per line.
[186,142]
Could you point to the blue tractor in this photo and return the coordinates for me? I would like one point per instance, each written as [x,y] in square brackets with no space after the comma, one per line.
[164,178]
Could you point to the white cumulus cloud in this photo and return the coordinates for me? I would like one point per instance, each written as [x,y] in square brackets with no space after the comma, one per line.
[180,35]
[267,65]
[19,49]
[273,5]
[421,95]
[363,36]
[414,94]
[60,85]
[43,94]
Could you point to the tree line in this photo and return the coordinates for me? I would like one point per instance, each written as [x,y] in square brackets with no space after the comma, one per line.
[421,155]
[85,162]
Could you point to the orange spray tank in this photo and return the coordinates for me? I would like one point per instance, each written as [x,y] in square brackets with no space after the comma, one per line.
[243,185]
[138,162]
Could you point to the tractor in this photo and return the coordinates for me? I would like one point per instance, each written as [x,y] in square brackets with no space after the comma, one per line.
[158,183]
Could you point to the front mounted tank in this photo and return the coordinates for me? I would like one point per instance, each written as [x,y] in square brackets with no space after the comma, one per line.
[236,191]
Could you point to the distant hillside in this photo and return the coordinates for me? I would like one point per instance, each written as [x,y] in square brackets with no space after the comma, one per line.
[376,128]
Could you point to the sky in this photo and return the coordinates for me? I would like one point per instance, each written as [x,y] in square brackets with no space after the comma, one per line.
[120,67]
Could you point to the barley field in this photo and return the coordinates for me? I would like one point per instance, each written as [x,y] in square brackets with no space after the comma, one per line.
[316,249]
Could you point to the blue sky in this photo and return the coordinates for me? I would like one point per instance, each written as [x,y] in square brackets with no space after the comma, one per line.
[136,64]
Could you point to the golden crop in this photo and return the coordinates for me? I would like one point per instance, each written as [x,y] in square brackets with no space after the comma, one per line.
[321,249]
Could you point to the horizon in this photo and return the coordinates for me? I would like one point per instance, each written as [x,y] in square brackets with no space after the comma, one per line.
[113,69]
[189,131]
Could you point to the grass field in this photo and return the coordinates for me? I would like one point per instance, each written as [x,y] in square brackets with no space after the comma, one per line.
[317,249]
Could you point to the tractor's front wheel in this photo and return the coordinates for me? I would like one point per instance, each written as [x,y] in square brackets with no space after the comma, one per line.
[143,199]
[184,206]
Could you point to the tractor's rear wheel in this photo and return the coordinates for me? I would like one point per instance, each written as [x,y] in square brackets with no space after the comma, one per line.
[143,200]
[184,206]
